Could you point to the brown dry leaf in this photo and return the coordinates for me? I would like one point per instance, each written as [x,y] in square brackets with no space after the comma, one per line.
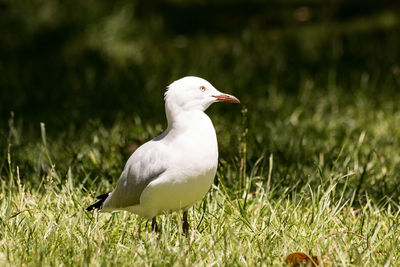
[297,258]
[300,258]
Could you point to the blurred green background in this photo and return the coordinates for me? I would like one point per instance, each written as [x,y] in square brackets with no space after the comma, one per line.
[314,76]
[69,61]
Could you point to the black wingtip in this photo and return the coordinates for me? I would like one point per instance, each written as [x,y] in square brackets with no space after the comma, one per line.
[98,205]
[103,196]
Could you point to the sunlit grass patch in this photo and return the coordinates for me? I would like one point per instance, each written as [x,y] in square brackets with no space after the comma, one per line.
[51,227]
[317,176]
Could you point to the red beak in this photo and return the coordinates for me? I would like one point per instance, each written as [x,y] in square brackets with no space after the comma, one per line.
[227,98]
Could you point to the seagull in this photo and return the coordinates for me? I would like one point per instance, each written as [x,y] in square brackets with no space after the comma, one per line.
[175,169]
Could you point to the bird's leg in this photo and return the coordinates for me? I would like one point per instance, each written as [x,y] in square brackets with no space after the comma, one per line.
[185,224]
[154,225]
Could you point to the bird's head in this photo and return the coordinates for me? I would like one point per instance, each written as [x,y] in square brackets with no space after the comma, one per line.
[194,93]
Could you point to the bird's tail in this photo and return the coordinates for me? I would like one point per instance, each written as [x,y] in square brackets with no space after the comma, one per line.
[99,204]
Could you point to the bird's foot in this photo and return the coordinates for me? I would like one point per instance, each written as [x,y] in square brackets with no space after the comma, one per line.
[185,224]
[154,226]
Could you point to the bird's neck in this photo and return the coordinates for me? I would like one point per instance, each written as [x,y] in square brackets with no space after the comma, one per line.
[179,119]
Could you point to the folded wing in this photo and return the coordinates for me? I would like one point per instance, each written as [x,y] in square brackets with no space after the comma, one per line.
[144,166]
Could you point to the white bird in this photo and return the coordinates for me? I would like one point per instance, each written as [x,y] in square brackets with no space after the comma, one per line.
[176,169]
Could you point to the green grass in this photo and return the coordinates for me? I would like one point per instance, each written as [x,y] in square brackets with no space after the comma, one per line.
[311,165]
[53,229]
[310,161]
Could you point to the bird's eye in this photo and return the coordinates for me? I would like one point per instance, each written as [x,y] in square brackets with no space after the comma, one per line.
[202,88]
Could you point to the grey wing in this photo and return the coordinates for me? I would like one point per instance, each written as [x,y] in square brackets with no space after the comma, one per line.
[144,166]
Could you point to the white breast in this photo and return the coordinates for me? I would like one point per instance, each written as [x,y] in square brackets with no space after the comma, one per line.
[191,170]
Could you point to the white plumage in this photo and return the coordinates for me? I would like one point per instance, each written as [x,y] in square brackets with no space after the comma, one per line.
[176,169]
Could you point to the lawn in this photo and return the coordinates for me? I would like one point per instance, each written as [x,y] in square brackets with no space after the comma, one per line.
[331,168]
[309,162]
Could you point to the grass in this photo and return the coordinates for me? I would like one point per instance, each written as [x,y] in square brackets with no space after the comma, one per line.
[309,163]
[54,229]
[315,166]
